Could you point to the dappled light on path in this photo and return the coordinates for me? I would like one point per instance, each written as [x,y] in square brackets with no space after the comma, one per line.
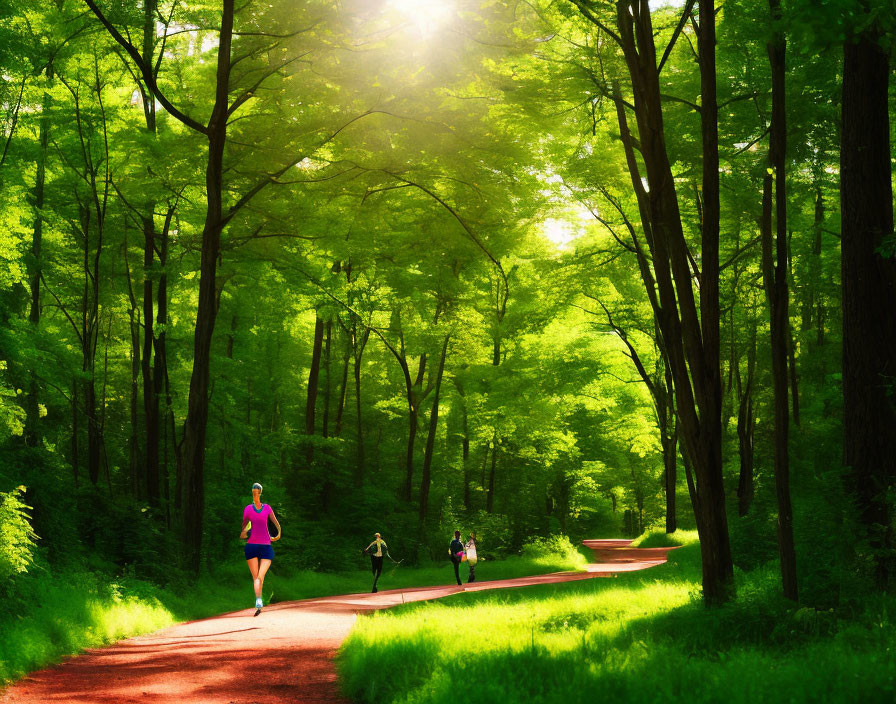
[284,655]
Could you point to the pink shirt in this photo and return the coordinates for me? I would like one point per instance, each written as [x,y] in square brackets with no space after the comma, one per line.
[259,521]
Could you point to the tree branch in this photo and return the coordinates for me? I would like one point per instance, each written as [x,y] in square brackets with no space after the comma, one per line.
[688,8]
[146,72]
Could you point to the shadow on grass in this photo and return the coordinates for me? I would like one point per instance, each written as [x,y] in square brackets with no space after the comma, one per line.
[628,669]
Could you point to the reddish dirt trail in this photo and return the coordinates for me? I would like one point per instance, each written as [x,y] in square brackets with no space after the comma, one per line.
[284,655]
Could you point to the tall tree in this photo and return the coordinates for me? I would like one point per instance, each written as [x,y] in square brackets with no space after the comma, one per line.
[32,407]
[689,329]
[869,282]
[426,476]
[232,90]
[778,295]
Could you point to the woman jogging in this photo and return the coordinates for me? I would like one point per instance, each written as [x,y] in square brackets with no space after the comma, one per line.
[376,558]
[456,550]
[259,553]
[472,558]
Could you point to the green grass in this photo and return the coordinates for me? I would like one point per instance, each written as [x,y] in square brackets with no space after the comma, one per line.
[639,637]
[659,538]
[63,614]
[55,615]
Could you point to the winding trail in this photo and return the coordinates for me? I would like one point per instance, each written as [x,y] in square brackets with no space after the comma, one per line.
[284,655]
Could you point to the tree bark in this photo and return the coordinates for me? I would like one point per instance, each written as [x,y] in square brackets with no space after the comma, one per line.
[690,340]
[869,289]
[135,474]
[150,364]
[150,398]
[794,376]
[465,443]
[311,398]
[360,459]
[669,432]
[490,496]
[670,462]
[32,406]
[325,424]
[160,359]
[340,404]
[76,450]
[192,459]
[745,428]
[431,436]
[327,487]
[414,397]
[775,276]
[90,335]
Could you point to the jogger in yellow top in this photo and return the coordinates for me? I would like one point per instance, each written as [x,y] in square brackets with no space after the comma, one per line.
[376,558]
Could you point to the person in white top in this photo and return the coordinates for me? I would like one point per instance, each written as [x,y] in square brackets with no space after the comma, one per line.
[376,558]
[472,558]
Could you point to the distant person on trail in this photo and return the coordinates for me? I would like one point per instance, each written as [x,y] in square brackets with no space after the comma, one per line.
[456,550]
[259,553]
[376,558]
[472,558]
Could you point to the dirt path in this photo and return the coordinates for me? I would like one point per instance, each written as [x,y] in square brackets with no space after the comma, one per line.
[284,655]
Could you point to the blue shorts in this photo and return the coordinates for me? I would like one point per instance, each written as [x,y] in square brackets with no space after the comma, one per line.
[263,552]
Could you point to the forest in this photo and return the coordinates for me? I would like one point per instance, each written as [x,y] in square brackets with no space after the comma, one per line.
[538,269]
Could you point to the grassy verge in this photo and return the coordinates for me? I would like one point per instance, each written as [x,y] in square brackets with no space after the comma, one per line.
[638,637]
[658,538]
[58,614]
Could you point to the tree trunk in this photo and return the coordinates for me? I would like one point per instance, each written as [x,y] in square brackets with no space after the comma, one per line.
[192,460]
[665,403]
[794,376]
[745,428]
[690,339]
[360,460]
[76,450]
[718,568]
[102,423]
[340,405]
[150,366]
[327,488]
[327,385]
[431,436]
[93,434]
[490,496]
[134,468]
[32,406]
[869,289]
[313,378]
[228,351]
[414,397]
[670,462]
[775,276]
[413,422]
[150,397]
[465,446]
[89,336]
[160,360]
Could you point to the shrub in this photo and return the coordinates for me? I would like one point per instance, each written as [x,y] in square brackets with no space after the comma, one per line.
[552,547]
[17,539]
[659,538]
